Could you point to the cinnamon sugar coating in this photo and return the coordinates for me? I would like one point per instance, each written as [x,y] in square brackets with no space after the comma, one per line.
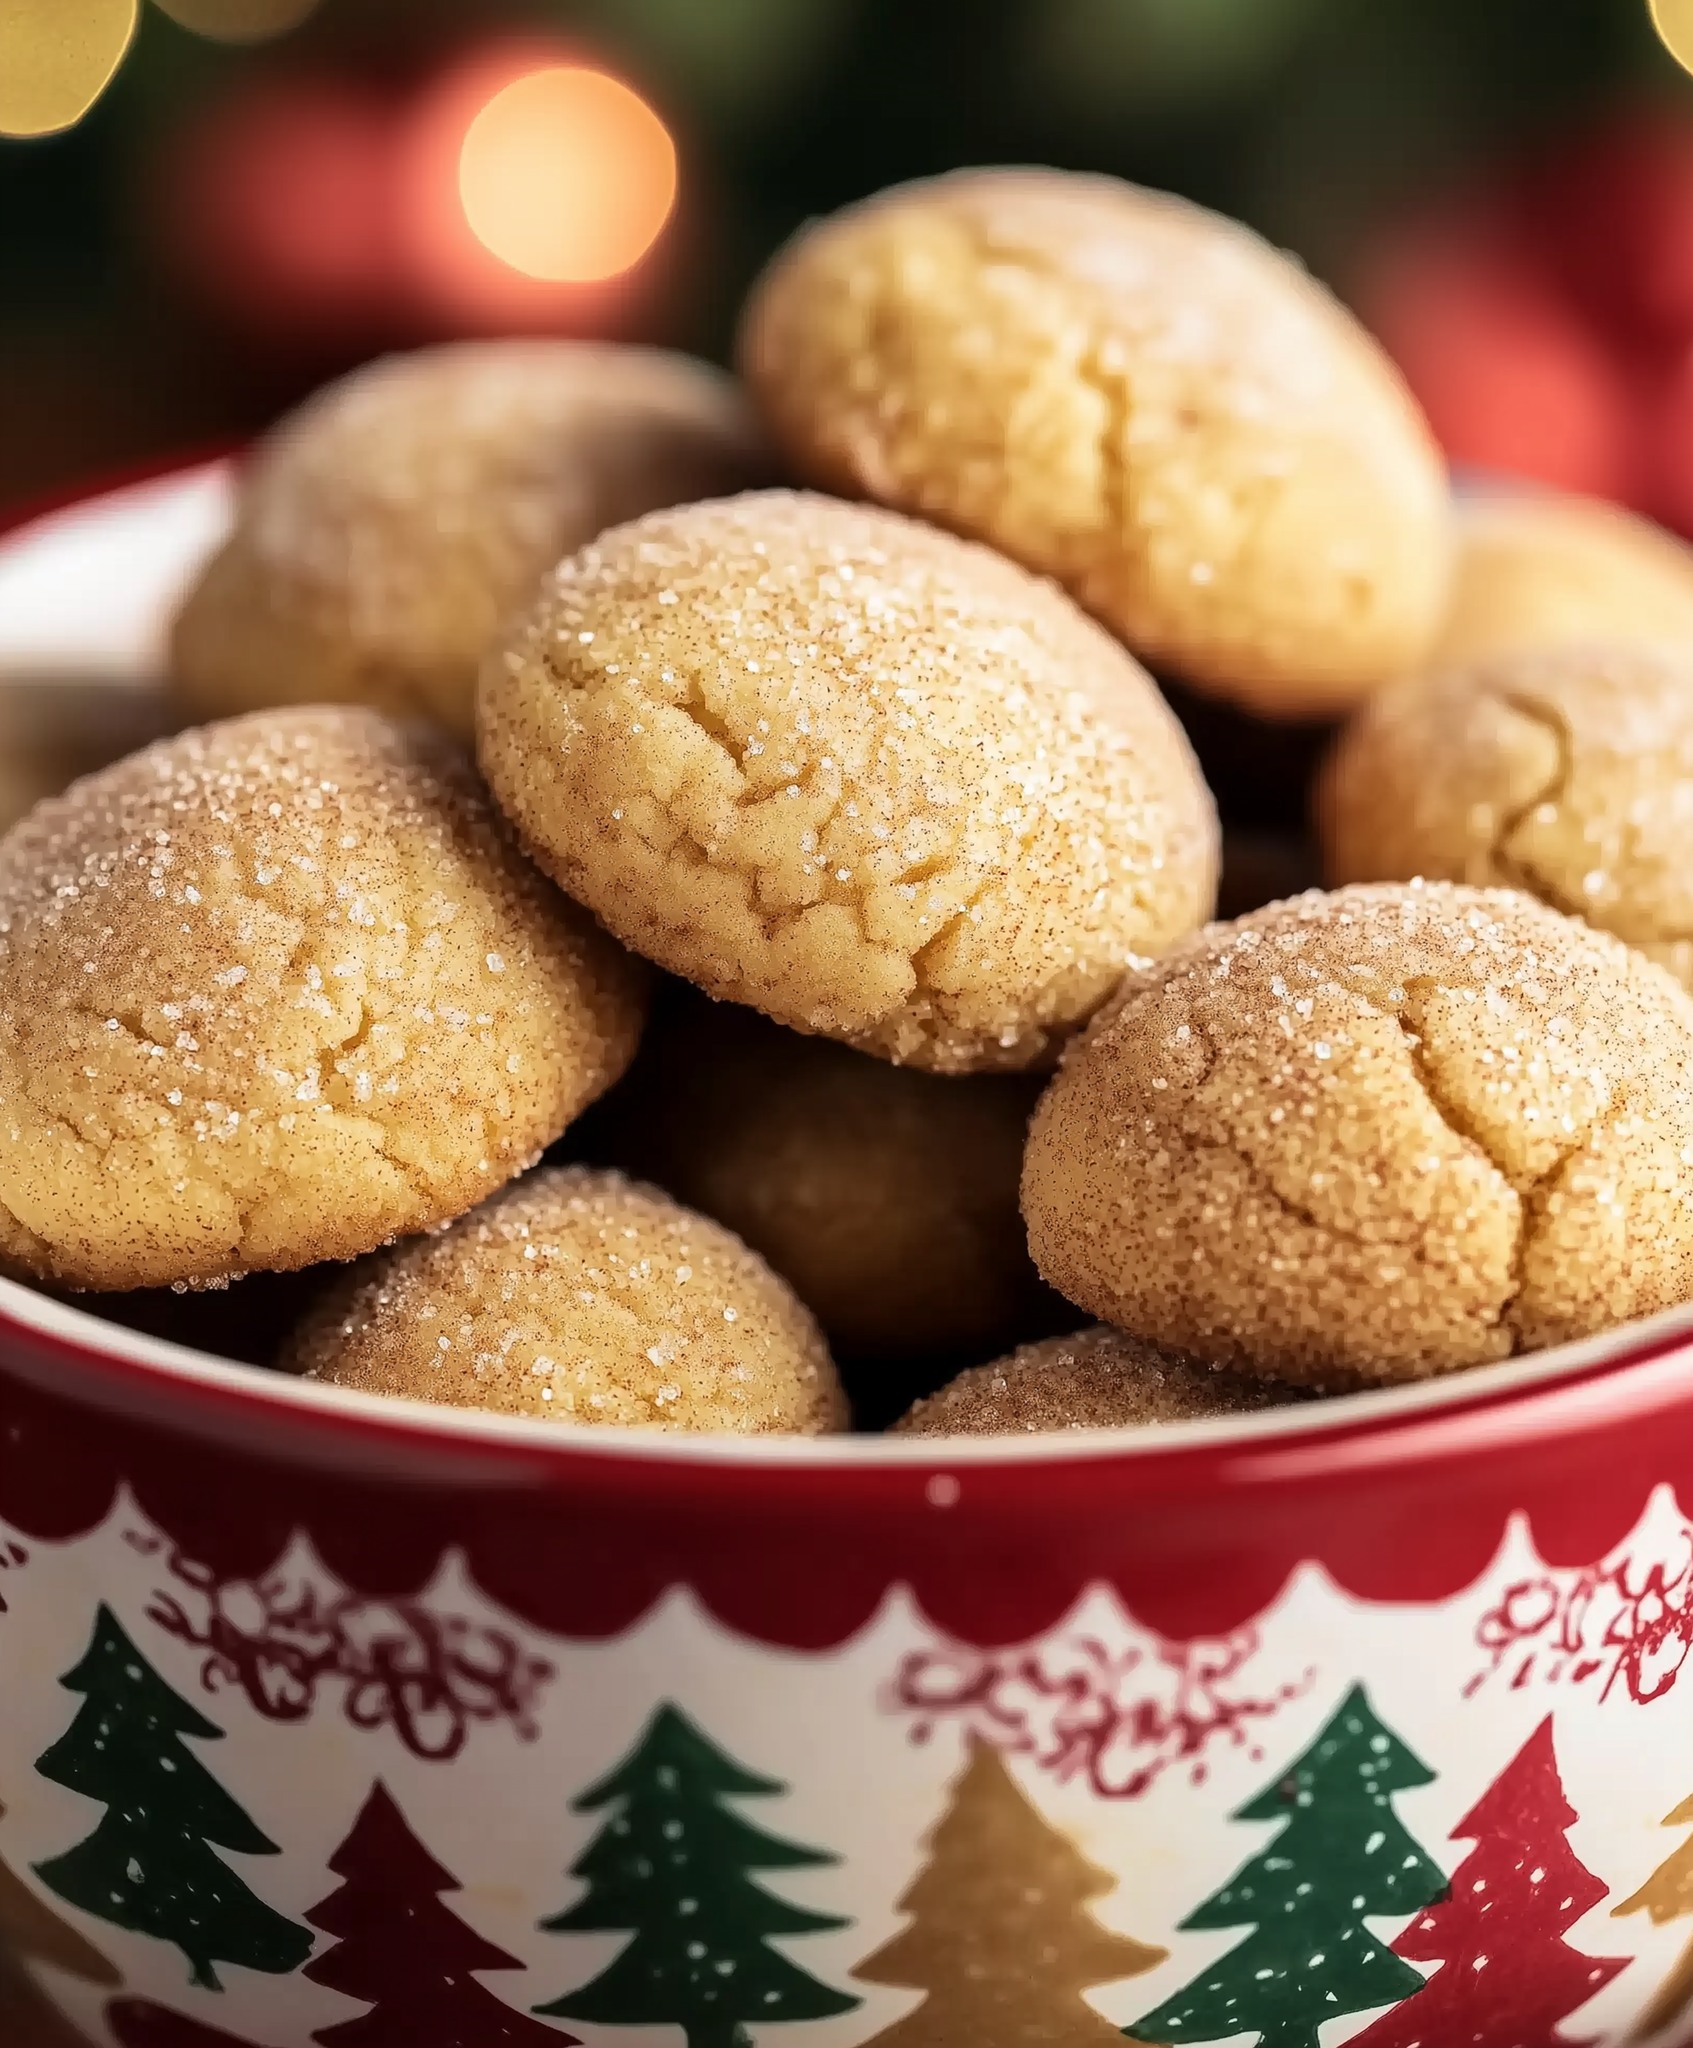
[275,991]
[581,1297]
[1095,1379]
[1130,394]
[1566,773]
[875,781]
[1375,1135]
[387,528]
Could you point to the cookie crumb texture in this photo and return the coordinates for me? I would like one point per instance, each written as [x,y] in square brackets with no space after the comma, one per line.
[1096,1379]
[1133,395]
[1539,569]
[886,1196]
[1375,1135]
[582,1297]
[851,771]
[274,991]
[390,526]
[1567,774]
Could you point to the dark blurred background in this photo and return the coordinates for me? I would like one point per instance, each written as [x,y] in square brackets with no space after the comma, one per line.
[267,191]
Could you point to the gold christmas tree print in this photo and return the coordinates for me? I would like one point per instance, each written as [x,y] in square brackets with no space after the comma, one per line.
[1667,1895]
[30,1928]
[1000,1935]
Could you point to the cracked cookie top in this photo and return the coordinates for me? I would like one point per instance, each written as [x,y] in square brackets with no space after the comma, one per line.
[873,780]
[581,1297]
[1568,774]
[1374,1135]
[274,991]
[1095,1379]
[1128,393]
[388,527]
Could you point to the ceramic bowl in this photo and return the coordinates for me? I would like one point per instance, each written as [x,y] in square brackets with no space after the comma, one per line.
[325,1719]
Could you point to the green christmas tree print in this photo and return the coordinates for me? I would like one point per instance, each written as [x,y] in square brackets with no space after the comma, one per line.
[1341,1855]
[150,1866]
[671,1868]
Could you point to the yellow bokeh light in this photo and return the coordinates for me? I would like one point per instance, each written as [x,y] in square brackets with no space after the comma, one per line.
[567,175]
[1673,20]
[56,58]
[238,21]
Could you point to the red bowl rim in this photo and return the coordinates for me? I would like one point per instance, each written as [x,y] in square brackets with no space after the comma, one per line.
[1629,1374]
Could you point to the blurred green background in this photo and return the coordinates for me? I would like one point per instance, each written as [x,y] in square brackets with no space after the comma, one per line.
[143,311]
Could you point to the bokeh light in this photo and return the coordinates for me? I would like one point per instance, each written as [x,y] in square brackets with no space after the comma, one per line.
[1673,20]
[274,201]
[567,175]
[56,58]
[532,193]
[238,21]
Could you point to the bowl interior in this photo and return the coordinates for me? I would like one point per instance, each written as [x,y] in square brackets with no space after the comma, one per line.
[86,594]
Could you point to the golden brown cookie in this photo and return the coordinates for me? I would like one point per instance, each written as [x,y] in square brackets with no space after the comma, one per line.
[582,1297]
[274,991]
[388,528]
[886,1197]
[1540,569]
[1385,1133]
[1568,774]
[1095,1379]
[874,781]
[1130,394]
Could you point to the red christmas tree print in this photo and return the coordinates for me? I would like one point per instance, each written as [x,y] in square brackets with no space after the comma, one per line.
[401,1950]
[135,2023]
[1506,1975]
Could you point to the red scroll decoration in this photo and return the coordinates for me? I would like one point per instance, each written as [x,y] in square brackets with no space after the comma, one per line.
[292,1634]
[1622,1626]
[1118,1718]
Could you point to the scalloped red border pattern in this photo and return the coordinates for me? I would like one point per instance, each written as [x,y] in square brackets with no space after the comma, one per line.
[1196,1541]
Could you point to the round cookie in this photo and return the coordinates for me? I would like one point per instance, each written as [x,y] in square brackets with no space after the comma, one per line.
[1568,774]
[886,1197]
[1540,569]
[1095,1379]
[581,1297]
[1374,1136]
[389,527]
[275,991]
[875,781]
[1128,393]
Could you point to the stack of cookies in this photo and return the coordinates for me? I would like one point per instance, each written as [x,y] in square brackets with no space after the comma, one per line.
[823,735]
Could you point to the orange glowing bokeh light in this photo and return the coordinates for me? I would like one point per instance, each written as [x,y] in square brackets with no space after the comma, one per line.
[567,175]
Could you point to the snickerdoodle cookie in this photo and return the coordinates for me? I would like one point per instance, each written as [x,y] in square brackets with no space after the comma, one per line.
[1374,1135]
[1096,1379]
[274,991]
[887,1197]
[1542,569]
[1567,774]
[581,1297]
[1130,394]
[873,780]
[387,529]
